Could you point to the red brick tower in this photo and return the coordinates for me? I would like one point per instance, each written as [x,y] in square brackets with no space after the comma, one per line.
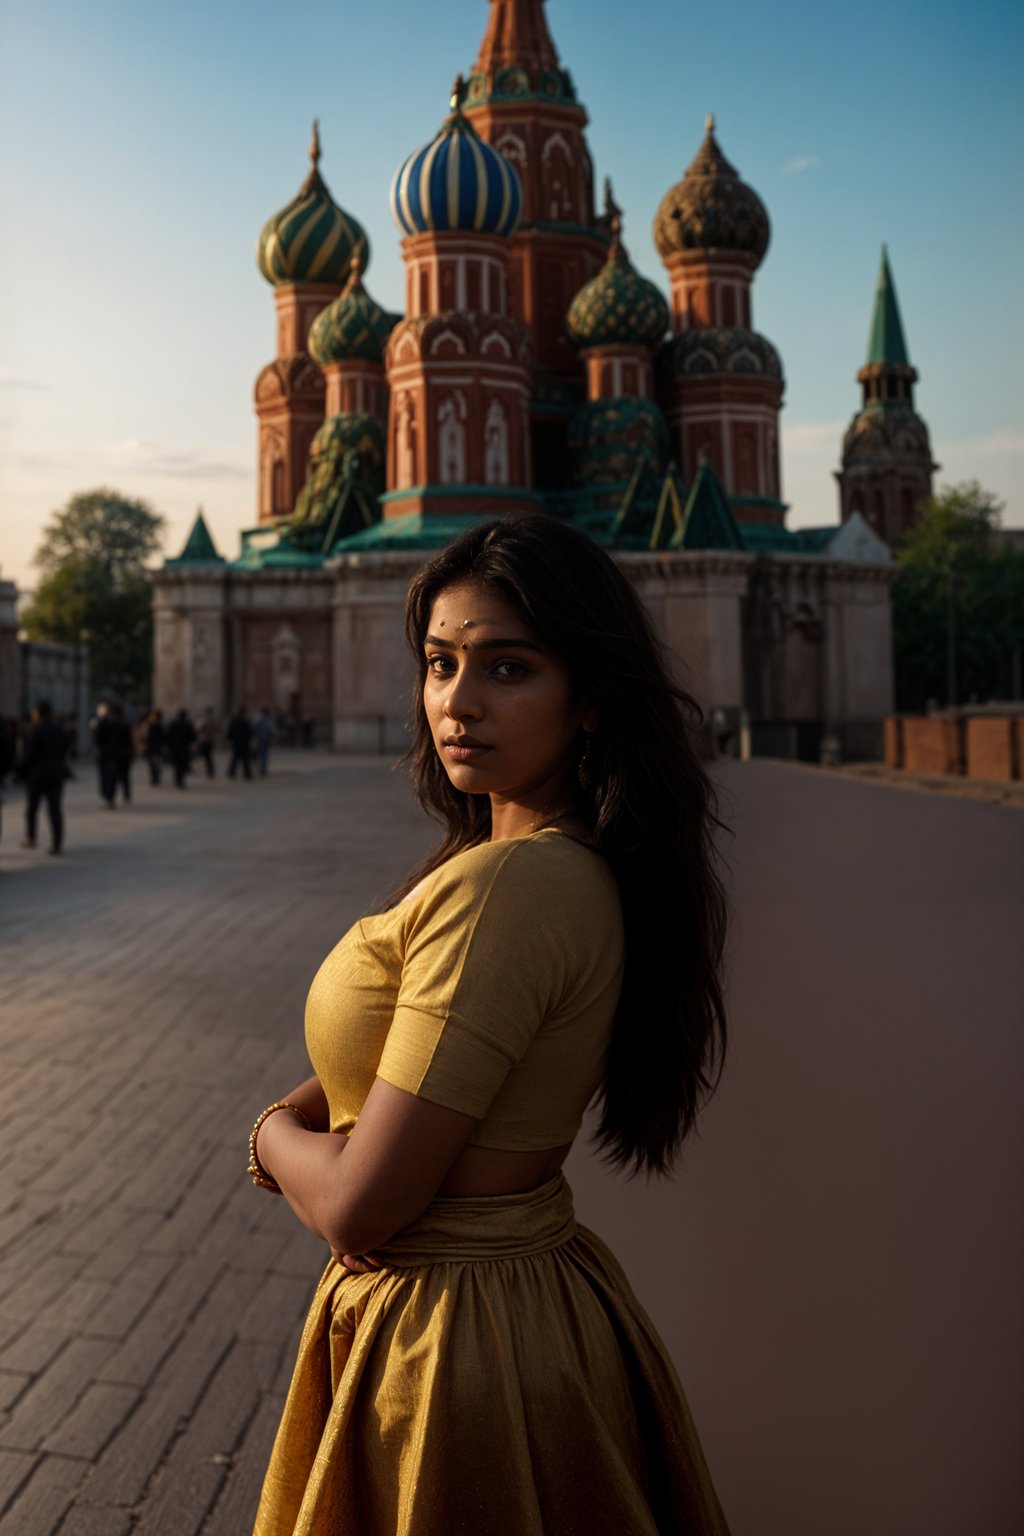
[721,382]
[459,369]
[522,101]
[887,459]
[306,252]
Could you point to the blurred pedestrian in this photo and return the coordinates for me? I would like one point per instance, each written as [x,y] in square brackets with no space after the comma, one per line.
[207,739]
[7,740]
[181,737]
[124,752]
[263,734]
[104,739]
[240,737]
[44,768]
[308,727]
[156,744]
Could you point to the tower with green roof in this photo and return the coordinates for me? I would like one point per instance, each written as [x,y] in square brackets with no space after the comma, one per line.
[887,463]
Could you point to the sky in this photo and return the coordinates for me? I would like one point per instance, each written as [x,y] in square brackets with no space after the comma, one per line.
[143,146]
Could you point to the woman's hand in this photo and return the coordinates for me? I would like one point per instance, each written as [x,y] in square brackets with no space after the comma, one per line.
[359,1263]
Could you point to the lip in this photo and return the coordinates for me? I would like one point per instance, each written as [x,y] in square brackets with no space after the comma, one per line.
[464,749]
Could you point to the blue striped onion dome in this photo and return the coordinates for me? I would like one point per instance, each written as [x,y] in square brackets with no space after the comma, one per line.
[311,239]
[618,307]
[352,328]
[457,182]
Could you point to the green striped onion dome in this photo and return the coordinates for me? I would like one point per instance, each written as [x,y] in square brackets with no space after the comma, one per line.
[618,307]
[311,239]
[353,327]
[457,181]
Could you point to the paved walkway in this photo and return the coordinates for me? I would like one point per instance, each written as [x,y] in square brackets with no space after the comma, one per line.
[825,1271]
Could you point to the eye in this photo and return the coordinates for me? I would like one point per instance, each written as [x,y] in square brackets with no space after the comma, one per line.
[439,665]
[510,669]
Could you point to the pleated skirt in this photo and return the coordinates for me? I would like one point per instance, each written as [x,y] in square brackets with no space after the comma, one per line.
[497,1378]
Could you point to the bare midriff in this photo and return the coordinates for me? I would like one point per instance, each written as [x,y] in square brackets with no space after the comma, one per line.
[481,1171]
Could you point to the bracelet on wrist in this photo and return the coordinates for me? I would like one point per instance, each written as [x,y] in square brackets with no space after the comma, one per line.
[256,1170]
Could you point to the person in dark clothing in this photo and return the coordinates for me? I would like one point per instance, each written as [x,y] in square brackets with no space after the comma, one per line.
[7,747]
[181,737]
[124,752]
[240,737]
[207,739]
[156,742]
[44,769]
[105,743]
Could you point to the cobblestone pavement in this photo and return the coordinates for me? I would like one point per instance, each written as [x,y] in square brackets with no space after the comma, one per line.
[152,990]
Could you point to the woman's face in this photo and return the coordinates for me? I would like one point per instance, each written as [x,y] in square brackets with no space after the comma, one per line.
[499,703]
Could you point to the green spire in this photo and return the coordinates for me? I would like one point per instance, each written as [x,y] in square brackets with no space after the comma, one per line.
[199,547]
[885,340]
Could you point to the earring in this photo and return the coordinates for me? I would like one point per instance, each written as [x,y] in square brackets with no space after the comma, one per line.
[583,767]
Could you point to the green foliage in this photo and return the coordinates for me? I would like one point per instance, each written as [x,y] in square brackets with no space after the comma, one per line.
[956,539]
[94,587]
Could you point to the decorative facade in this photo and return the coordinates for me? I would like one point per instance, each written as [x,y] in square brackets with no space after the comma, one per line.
[533,368]
[887,464]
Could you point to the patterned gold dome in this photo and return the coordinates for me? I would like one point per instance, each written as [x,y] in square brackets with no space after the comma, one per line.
[618,307]
[711,209]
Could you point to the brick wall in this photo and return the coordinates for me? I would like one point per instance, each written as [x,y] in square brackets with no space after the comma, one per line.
[932,744]
[991,745]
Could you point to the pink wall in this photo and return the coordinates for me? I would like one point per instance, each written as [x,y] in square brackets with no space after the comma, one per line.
[838,1270]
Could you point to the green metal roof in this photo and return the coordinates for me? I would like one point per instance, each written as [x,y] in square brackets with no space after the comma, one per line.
[199,546]
[886,343]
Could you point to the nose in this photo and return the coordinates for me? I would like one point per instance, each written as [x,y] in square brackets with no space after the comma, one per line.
[462,700]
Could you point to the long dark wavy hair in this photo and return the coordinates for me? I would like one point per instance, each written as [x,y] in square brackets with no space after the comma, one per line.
[651,802]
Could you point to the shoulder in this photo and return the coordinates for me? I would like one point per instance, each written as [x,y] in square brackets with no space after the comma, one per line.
[546,878]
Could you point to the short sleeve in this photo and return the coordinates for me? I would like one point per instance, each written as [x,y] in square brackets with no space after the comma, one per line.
[488,957]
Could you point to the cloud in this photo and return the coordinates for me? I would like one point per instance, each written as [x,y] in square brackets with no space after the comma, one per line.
[10,380]
[137,456]
[174,463]
[1007,442]
[801,163]
[809,438]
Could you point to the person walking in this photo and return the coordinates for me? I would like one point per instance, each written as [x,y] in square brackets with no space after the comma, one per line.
[7,741]
[124,753]
[240,738]
[156,744]
[44,768]
[181,737]
[207,739]
[263,734]
[104,739]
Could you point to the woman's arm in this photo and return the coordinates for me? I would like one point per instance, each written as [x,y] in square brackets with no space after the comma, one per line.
[311,1099]
[357,1191]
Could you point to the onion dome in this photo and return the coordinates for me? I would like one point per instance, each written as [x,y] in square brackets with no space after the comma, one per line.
[716,350]
[311,239]
[618,307]
[352,328]
[608,438]
[711,209]
[457,182]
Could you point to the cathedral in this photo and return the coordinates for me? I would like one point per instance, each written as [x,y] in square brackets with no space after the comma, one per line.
[533,368]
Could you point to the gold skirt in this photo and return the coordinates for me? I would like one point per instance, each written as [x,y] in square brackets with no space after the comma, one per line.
[497,1378]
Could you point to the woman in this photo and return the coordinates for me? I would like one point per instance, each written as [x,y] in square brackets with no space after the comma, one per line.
[474,1361]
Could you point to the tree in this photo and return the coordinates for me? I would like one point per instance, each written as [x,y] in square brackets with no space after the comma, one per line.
[957,577]
[94,587]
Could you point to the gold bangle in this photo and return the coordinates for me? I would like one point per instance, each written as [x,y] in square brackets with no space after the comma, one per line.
[256,1170]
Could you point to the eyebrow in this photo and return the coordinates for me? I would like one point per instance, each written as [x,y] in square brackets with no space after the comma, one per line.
[484,645]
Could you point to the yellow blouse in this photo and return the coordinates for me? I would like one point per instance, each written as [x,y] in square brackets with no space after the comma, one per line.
[491,990]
